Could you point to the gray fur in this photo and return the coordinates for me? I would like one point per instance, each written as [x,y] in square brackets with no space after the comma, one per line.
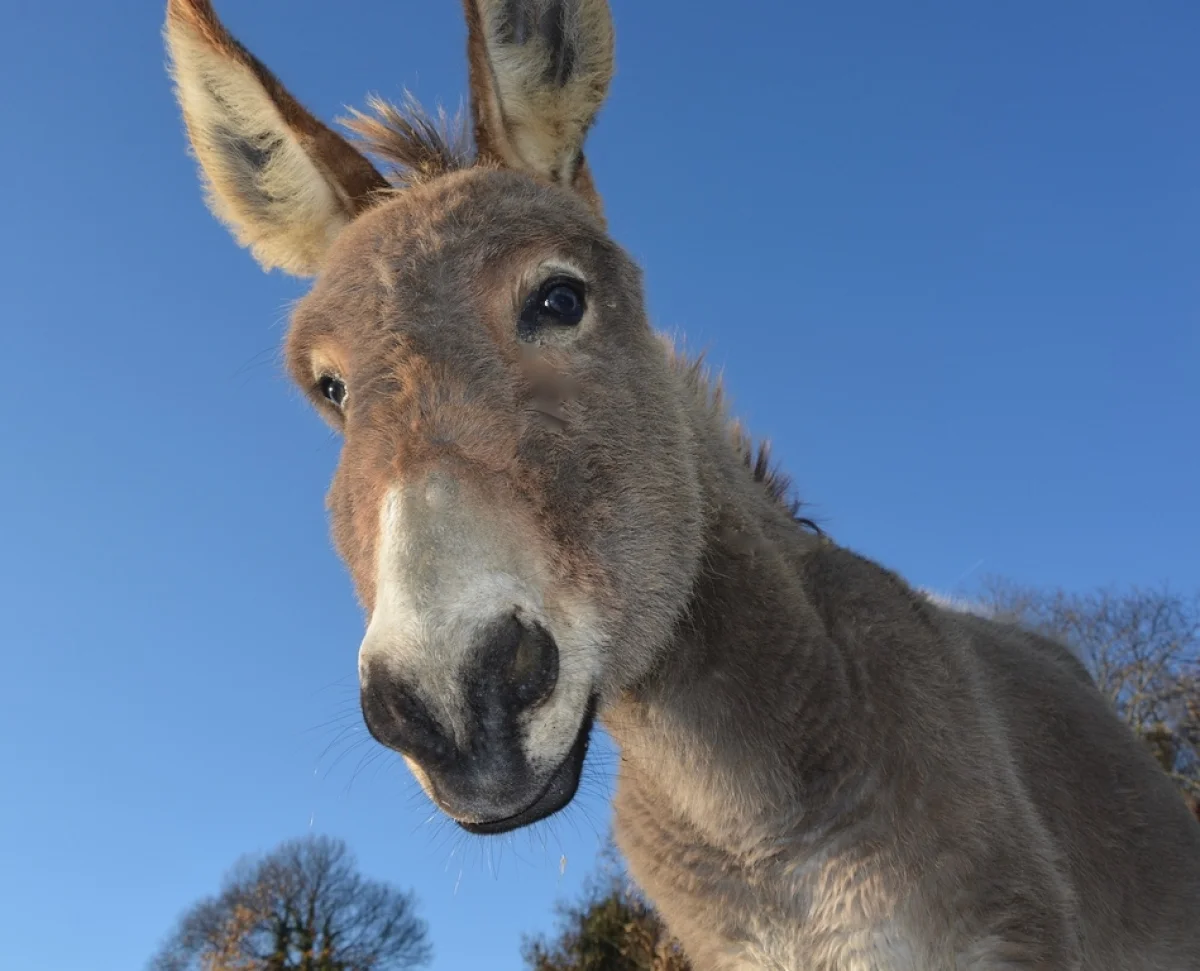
[830,773]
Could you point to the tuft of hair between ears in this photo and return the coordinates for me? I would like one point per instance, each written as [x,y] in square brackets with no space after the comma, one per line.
[417,145]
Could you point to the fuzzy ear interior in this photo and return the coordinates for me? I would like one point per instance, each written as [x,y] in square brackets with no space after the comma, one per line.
[540,70]
[284,183]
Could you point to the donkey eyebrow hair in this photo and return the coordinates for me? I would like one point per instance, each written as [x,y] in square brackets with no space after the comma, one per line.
[549,268]
[321,367]
[319,359]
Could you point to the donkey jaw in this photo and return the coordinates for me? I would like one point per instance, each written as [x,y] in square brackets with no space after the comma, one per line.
[558,792]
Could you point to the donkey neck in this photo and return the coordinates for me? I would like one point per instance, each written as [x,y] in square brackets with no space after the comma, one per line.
[749,661]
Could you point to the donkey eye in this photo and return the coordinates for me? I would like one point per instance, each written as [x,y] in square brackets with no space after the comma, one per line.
[564,301]
[332,388]
[559,301]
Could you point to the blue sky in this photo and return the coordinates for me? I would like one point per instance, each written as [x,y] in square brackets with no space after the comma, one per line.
[946,254]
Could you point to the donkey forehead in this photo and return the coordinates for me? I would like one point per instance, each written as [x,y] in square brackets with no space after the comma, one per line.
[460,223]
[455,244]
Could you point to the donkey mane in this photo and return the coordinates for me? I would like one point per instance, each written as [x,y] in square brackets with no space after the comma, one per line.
[755,454]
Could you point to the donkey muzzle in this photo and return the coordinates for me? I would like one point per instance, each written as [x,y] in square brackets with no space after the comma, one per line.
[481,775]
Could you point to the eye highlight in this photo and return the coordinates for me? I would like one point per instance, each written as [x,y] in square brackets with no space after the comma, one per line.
[332,389]
[559,302]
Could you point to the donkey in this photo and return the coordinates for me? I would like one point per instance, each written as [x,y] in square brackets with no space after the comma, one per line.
[549,518]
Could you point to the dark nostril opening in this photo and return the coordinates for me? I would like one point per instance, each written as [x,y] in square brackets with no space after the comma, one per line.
[395,717]
[532,661]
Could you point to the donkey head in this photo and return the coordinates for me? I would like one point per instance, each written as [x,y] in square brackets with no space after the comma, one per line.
[517,496]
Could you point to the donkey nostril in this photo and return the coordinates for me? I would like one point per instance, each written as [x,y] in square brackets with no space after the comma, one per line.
[533,670]
[396,718]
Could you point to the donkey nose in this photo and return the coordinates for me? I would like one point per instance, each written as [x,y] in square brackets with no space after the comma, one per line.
[514,668]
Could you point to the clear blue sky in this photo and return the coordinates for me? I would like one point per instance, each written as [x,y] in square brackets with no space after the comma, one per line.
[947,254]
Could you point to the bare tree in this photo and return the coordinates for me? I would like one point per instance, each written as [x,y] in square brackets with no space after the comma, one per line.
[1143,649]
[302,907]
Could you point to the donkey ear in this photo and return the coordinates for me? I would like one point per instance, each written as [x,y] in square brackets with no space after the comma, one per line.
[282,181]
[540,70]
